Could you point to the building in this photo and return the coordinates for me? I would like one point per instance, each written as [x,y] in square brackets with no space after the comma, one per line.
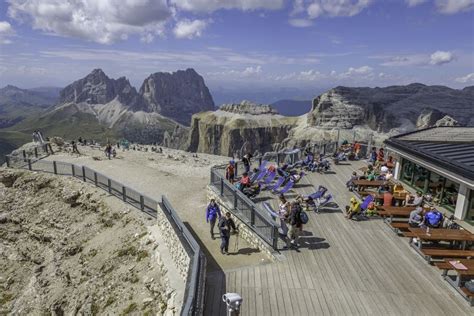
[438,161]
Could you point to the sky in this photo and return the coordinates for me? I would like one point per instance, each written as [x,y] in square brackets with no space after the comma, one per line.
[241,44]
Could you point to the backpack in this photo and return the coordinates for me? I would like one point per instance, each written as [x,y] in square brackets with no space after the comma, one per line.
[304,217]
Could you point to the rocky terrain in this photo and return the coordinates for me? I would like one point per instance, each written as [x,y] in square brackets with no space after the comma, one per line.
[177,95]
[67,249]
[237,128]
[351,113]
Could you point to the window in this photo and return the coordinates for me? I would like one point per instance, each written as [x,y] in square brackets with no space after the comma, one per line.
[407,171]
[450,194]
[436,185]
[420,178]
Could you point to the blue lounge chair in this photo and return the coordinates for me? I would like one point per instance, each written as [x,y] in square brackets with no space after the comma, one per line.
[276,185]
[261,175]
[270,210]
[285,189]
[270,176]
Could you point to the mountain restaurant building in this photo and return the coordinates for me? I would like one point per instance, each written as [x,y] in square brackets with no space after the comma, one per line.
[438,161]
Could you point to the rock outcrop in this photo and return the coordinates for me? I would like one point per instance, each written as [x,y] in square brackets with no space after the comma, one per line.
[247,107]
[237,128]
[383,109]
[177,95]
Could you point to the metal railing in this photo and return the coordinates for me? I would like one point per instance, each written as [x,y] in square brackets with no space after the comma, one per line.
[19,159]
[245,210]
[195,284]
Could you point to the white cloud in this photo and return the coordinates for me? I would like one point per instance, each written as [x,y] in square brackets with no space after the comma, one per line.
[440,58]
[248,72]
[414,3]
[214,5]
[99,21]
[469,78]
[454,6]
[300,22]
[334,8]
[189,29]
[361,71]
[403,60]
[6,31]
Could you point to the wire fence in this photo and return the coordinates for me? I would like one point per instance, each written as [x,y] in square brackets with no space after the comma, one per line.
[195,285]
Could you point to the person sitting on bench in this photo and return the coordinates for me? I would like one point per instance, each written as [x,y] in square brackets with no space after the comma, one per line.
[414,200]
[433,219]
[416,217]
[353,208]
[350,184]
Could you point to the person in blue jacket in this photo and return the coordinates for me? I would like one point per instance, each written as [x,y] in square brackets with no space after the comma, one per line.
[212,212]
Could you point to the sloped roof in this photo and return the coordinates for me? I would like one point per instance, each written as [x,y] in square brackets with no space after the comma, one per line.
[451,148]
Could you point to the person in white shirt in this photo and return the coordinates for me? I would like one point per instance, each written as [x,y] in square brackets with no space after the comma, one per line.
[414,200]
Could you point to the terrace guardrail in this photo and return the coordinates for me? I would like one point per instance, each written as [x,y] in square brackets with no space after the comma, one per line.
[195,283]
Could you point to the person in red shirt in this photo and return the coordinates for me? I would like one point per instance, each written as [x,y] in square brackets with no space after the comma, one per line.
[381,155]
[356,149]
[387,198]
[245,180]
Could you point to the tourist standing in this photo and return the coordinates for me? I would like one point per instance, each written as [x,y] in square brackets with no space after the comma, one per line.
[212,213]
[108,151]
[246,162]
[296,224]
[230,171]
[225,224]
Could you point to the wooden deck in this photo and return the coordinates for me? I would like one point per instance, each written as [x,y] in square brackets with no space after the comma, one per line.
[344,268]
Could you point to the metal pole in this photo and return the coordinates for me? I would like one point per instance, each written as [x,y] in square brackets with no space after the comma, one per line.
[275,237]
[109,185]
[142,203]
[95,179]
[84,173]
[252,217]
[7,160]
[55,167]
[24,155]
[222,186]
[29,164]
[36,152]
[124,194]
[73,171]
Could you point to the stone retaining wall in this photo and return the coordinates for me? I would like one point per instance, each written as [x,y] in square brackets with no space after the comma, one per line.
[245,232]
[178,252]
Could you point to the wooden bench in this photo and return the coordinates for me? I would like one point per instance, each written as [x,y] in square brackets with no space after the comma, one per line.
[399,227]
[408,234]
[431,253]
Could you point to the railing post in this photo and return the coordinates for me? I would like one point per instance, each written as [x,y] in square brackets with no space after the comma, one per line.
[235,200]
[36,152]
[252,217]
[222,186]
[84,174]
[24,155]
[73,171]
[260,162]
[236,169]
[124,194]
[278,159]
[275,237]
[142,203]
[29,165]
[95,179]
[109,185]
[7,160]
[55,167]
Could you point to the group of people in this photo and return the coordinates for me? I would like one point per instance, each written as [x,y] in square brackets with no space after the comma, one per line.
[225,224]
[38,137]
[110,152]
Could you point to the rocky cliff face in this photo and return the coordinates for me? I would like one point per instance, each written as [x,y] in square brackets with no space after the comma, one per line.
[385,108]
[238,128]
[177,95]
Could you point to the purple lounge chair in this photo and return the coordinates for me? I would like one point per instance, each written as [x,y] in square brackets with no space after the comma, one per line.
[285,189]
[276,185]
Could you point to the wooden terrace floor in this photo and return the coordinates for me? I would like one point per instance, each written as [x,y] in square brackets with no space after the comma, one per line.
[344,268]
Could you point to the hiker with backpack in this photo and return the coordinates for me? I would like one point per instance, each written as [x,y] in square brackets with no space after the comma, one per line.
[212,213]
[226,223]
[297,218]
[433,218]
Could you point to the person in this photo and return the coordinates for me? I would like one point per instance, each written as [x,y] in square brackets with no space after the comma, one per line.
[74,148]
[114,153]
[390,163]
[245,180]
[212,213]
[225,225]
[296,224]
[284,215]
[282,171]
[108,151]
[356,149]
[353,208]
[373,155]
[381,155]
[416,217]
[416,200]
[387,197]
[230,172]
[246,162]
[371,209]
[433,218]
[350,184]
[389,175]
[253,190]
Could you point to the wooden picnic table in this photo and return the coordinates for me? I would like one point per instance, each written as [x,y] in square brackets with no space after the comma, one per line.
[461,275]
[394,211]
[370,184]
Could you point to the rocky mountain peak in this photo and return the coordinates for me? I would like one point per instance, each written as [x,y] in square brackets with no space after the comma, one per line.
[177,95]
[248,107]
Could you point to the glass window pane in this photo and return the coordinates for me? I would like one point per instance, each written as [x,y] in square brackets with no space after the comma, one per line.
[407,171]
[450,195]
[435,187]
[420,177]
[470,210]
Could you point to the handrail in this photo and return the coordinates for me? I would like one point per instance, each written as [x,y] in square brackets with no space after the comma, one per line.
[195,284]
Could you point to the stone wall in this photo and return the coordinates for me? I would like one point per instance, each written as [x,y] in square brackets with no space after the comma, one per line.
[245,232]
[175,245]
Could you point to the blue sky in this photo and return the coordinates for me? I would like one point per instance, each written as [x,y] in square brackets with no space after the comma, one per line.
[240,43]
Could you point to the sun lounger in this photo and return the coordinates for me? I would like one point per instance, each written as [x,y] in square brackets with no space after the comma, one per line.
[270,176]
[270,210]
[261,175]
[289,185]
[276,185]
